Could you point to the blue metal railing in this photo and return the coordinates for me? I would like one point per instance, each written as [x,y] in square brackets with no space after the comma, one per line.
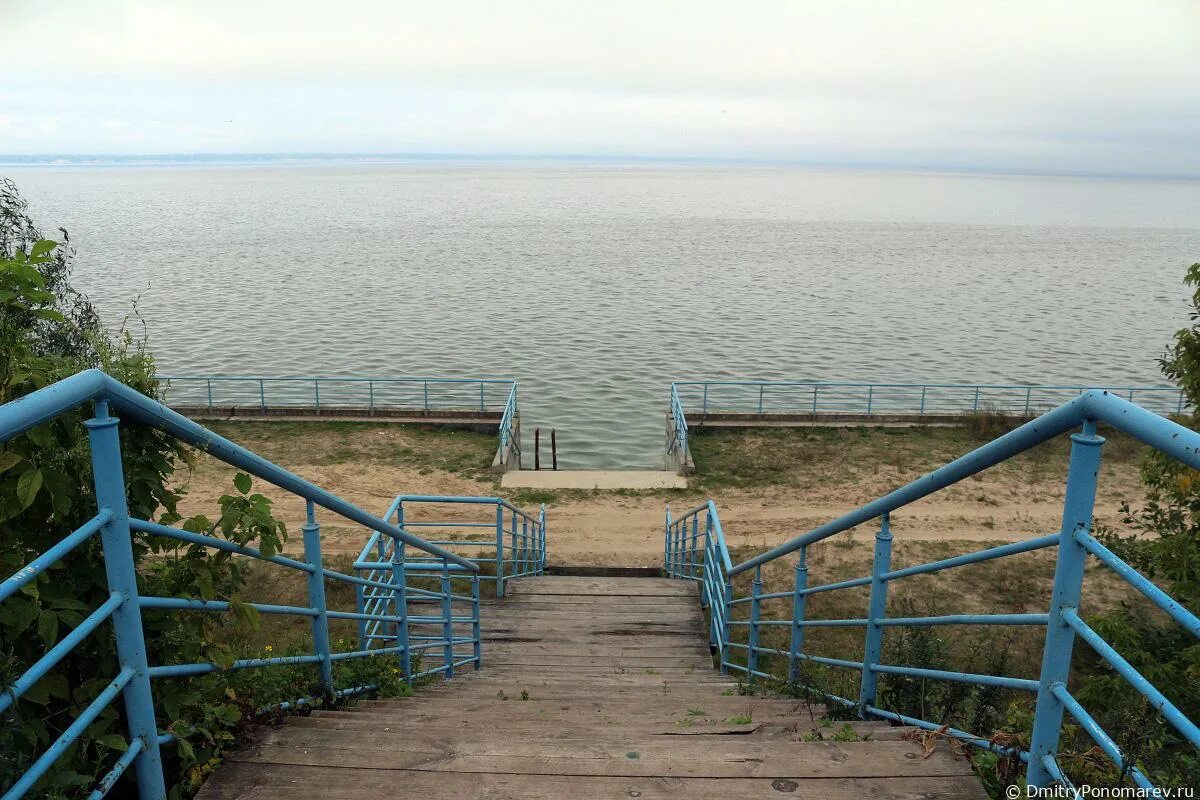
[369,394]
[133,681]
[695,550]
[510,432]
[514,544]
[700,398]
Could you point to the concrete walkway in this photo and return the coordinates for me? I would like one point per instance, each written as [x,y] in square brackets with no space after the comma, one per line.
[592,479]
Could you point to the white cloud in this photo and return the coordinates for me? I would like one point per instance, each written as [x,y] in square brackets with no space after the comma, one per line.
[1084,84]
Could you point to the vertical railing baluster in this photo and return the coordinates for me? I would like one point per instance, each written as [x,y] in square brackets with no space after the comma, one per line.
[706,564]
[426,389]
[524,556]
[727,599]
[499,550]
[317,394]
[371,397]
[870,397]
[1068,582]
[262,394]
[667,542]
[400,601]
[975,404]
[316,597]
[481,396]
[210,403]
[447,620]
[760,397]
[542,544]
[512,547]
[1028,394]
[121,571]
[755,613]
[799,602]
[924,391]
[476,638]
[814,406]
[704,405]
[360,607]
[876,611]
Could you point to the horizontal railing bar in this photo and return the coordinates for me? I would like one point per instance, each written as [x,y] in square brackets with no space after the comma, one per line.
[186,604]
[347,656]
[56,654]
[118,769]
[968,738]
[1156,698]
[465,500]
[771,596]
[25,574]
[857,385]
[974,558]
[829,587]
[1106,743]
[1001,682]
[1155,595]
[68,737]
[763,622]
[334,379]
[831,662]
[184,670]
[966,619]
[157,529]
[369,617]
[410,524]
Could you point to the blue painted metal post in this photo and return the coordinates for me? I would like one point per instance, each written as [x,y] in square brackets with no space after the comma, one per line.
[447,620]
[360,607]
[209,382]
[512,548]
[667,542]
[542,539]
[400,601]
[870,397]
[760,398]
[815,388]
[371,396]
[799,601]
[316,597]
[975,404]
[1028,393]
[121,571]
[476,638]
[262,394]
[873,649]
[708,562]
[704,406]
[499,550]
[481,395]
[317,394]
[755,611]
[426,385]
[924,389]
[727,599]
[693,562]
[1068,583]
[524,545]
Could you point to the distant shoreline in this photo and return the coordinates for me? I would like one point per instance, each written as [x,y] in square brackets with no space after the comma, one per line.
[520,160]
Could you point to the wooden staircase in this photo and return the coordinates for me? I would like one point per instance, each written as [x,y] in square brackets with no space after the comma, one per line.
[591,688]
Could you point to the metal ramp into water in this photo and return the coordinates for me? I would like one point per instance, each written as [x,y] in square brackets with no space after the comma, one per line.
[591,688]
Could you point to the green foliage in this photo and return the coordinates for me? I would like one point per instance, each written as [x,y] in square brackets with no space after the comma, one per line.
[1165,546]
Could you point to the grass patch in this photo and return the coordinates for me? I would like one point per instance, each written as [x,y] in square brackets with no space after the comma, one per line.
[807,458]
[422,447]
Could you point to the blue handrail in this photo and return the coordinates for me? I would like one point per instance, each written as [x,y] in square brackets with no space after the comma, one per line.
[517,538]
[816,398]
[114,526]
[368,393]
[695,550]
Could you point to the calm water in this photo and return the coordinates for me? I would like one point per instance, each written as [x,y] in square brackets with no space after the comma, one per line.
[595,285]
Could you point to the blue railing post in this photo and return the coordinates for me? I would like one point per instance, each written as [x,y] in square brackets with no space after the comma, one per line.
[873,648]
[121,571]
[316,597]
[667,542]
[870,397]
[727,601]
[799,601]
[262,394]
[755,611]
[1068,583]
[704,405]
[924,390]
[371,396]
[814,407]
[426,386]
[400,602]
[208,381]
[708,562]
[1028,394]
[447,620]
[476,637]
[499,550]
[760,398]
[317,394]
[975,403]
[542,528]
[360,607]
[513,553]
[481,395]
[524,556]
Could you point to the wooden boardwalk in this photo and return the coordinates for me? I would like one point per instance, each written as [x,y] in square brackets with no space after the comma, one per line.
[591,688]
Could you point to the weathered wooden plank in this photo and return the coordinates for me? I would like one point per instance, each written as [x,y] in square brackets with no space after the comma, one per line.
[696,757]
[250,781]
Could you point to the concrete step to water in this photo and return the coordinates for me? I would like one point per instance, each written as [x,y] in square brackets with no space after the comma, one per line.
[592,479]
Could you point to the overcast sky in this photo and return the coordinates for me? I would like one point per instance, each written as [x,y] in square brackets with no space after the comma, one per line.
[1090,86]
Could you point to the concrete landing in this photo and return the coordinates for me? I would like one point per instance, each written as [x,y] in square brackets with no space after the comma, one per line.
[592,479]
